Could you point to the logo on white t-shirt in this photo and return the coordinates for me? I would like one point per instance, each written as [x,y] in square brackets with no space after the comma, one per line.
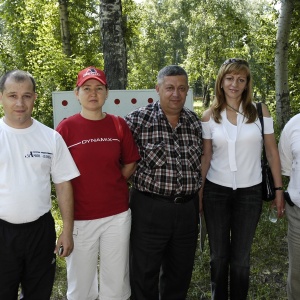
[39,154]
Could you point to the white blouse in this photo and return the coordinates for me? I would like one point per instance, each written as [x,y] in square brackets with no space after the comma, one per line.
[289,151]
[236,157]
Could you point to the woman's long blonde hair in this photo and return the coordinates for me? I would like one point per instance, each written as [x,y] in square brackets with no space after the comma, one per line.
[234,66]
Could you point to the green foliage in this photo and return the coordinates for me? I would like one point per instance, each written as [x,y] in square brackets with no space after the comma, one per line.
[199,35]
[60,284]
[262,40]
[269,259]
[217,31]
[161,40]
[31,41]
[132,17]
[294,60]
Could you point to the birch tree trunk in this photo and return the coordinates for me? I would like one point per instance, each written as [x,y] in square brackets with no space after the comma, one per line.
[281,63]
[114,46]
[64,26]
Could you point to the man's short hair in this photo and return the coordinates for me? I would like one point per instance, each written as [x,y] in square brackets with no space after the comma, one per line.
[18,76]
[172,70]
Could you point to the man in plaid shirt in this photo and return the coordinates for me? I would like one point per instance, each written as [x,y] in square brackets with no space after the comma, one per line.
[164,197]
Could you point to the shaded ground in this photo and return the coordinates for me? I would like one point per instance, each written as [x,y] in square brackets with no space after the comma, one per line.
[269,264]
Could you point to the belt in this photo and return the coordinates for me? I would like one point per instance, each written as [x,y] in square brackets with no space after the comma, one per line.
[287,198]
[177,199]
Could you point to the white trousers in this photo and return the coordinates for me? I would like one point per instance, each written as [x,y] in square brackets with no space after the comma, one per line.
[109,238]
[293,282]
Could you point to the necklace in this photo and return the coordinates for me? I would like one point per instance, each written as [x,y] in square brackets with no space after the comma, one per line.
[233,109]
[236,111]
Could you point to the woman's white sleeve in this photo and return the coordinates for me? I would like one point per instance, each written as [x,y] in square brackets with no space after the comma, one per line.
[268,125]
[206,132]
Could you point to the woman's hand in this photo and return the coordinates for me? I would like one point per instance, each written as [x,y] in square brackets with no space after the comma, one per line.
[279,203]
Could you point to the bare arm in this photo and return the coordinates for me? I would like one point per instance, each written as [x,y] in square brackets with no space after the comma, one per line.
[205,160]
[65,200]
[205,164]
[127,170]
[274,162]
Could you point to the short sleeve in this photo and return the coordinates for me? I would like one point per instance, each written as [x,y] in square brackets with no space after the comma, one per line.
[63,166]
[268,125]
[206,131]
[286,157]
[129,152]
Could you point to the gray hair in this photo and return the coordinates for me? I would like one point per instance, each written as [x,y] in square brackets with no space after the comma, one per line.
[172,70]
[18,76]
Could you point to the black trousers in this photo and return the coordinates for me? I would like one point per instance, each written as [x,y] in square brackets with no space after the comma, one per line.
[231,219]
[163,243]
[27,258]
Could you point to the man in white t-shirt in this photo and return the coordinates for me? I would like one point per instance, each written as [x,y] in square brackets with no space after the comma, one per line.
[31,155]
[289,151]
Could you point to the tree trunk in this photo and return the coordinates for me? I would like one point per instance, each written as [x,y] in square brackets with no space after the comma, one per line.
[64,26]
[114,47]
[281,63]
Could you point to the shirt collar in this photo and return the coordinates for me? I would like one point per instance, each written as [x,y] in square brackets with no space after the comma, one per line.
[183,118]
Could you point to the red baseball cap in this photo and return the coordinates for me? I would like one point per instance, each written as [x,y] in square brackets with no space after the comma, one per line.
[90,73]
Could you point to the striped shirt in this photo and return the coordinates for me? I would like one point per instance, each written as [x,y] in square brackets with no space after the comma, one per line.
[170,157]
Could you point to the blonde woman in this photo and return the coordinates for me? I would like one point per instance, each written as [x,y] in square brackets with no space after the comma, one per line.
[231,169]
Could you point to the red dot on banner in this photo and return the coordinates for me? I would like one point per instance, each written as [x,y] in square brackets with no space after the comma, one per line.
[133,101]
[64,103]
[117,101]
[150,100]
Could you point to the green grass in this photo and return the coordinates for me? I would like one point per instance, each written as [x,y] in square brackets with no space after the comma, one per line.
[269,264]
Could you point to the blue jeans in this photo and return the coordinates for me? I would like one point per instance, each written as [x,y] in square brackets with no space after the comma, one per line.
[231,219]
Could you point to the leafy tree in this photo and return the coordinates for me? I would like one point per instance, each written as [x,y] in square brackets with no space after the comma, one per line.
[161,40]
[261,41]
[281,63]
[197,34]
[294,60]
[31,29]
[217,31]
